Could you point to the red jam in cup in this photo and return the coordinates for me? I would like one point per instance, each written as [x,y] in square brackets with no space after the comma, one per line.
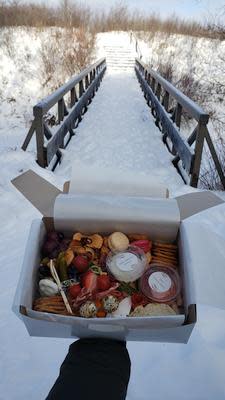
[160,284]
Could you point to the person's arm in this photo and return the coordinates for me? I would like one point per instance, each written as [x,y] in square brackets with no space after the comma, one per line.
[93,369]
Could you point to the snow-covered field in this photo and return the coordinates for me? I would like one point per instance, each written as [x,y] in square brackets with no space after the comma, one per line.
[116,132]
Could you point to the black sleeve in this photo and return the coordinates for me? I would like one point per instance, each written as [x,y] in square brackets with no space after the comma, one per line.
[93,369]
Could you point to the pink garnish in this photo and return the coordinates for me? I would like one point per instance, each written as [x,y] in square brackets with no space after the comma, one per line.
[83,296]
[107,292]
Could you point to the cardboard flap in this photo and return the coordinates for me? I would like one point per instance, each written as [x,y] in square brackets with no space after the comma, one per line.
[195,202]
[38,191]
[204,237]
[111,181]
[158,217]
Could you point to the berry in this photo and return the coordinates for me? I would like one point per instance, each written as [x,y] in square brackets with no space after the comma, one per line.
[145,245]
[81,263]
[49,246]
[89,281]
[103,282]
[74,290]
[44,270]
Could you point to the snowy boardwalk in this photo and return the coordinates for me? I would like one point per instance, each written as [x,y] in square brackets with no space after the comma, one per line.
[119,131]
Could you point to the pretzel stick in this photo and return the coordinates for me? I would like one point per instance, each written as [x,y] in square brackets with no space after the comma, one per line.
[56,278]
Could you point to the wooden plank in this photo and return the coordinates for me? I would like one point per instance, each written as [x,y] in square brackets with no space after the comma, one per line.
[47,132]
[29,136]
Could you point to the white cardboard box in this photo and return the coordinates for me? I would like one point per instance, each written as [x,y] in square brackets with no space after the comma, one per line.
[161,218]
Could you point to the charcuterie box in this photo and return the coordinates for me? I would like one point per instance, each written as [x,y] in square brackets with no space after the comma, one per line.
[126,207]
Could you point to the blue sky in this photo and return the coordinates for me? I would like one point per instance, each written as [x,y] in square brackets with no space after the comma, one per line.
[198,9]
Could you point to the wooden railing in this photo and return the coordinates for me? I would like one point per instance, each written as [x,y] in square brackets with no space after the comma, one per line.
[167,106]
[81,89]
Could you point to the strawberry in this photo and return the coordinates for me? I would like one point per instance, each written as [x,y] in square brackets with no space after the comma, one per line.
[74,290]
[89,281]
[145,245]
[103,281]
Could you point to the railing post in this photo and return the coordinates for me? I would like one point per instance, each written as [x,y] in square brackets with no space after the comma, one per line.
[195,170]
[166,101]
[60,110]
[153,85]
[73,97]
[86,82]
[158,91]
[39,128]
[81,88]
[177,120]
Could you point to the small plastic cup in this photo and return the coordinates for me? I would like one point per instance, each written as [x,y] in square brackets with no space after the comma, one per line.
[127,265]
[160,284]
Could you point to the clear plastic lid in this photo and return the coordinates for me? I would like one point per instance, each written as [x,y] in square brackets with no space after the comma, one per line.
[127,265]
[160,284]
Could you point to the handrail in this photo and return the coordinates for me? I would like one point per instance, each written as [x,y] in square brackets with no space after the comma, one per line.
[188,105]
[82,89]
[49,101]
[158,93]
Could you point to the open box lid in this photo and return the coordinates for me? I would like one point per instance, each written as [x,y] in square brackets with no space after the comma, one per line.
[104,201]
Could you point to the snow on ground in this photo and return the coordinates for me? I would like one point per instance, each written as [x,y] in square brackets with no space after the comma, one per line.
[117,131]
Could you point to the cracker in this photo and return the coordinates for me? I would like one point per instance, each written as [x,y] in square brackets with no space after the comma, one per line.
[166,245]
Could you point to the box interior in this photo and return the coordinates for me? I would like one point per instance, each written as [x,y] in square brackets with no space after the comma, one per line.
[29,293]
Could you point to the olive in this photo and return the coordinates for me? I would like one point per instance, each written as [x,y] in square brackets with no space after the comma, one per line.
[44,271]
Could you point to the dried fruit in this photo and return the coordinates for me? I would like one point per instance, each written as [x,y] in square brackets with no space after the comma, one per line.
[94,241]
[69,256]
[74,290]
[81,263]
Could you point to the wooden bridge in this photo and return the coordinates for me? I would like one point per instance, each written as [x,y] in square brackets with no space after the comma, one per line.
[166,103]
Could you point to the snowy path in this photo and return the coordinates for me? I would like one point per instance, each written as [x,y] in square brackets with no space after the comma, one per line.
[119,131]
